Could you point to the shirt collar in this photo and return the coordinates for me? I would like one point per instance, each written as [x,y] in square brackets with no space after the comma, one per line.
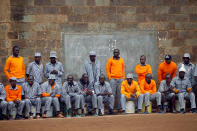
[117,58]
[181,79]
[12,88]
[15,57]
[188,64]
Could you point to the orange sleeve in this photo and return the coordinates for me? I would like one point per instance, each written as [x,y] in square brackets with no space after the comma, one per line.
[7,93]
[154,88]
[123,69]
[123,90]
[23,67]
[6,68]
[57,95]
[149,70]
[159,74]
[108,68]
[45,94]
[175,70]
[20,93]
[137,89]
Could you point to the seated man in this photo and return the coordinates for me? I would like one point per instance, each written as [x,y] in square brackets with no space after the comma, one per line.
[148,88]
[166,93]
[13,97]
[183,89]
[88,94]
[104,94]
[3,103]
[71,93]
[31,93]
[131,91]
[50,95]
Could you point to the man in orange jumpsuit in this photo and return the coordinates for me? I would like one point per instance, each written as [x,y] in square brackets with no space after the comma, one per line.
[142,69]
[167,67]
[116,74]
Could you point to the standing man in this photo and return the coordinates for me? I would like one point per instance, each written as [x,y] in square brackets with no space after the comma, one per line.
[71,93]
[54,68]
[189,67]
[149,89]
[131,91]
[167,93]
[32,93]
[88,95]
[142,69]
[182,87]
[13,97]
[50,95]
[3,103]
[92,68]
[15,67]
[104,95]
[195,82]
[167,67]
[35,69]
[116,74]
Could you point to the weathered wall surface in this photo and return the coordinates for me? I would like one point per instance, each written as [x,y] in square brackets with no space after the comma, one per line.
[36,25]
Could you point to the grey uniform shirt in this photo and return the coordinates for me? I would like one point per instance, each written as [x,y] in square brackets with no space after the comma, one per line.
[58,67]
[189,71]
[84,87]
[181,85]
[31,92]
[164,87]
[70,90]
[93,71]
[46,88]
[2,92]
[100,89]
[36,71]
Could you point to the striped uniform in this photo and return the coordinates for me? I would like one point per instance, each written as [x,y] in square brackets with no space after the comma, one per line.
[3,103]
[32,96]
[100,89]
[58,67]
[46,88]
[36,71]
[91,100]
[71,94]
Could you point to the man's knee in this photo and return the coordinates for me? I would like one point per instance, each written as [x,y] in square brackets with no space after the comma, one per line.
[147,94]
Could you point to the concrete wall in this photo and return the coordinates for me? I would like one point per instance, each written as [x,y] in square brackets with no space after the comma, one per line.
[36,25]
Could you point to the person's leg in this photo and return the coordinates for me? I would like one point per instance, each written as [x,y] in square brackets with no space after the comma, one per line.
[82,104]
[123,102]
[181,102]
[157,96]
[110,101]
[47,103]
[27,107]
[191,97]
[118,89]
[11,106]
[100,105]
[20,107]
[3,106]
[38,107]
[113,84]
[171,97]
[147,99]
[56,104]
[140,102]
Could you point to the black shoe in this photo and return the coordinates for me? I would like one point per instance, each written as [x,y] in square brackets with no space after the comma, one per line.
[111,112]
[89,113]
[182,111]
[100,113]
[19,117]
[194,110]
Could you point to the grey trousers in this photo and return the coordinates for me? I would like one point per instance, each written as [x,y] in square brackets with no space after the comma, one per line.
[168,97]
[186,95]
[91,101]
[138,101]
[12,105]
[106,99]
[67,99]
[29,103]
[56,103]
[152,97]
[116,90]
[47,103]
[3,107]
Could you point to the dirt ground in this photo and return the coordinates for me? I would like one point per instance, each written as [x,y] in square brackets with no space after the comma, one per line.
[132,122]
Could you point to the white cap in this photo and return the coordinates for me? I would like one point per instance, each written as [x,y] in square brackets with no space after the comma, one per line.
[129,75]
[182,68]
[13,78]
[37,54]
[92,53]
[52,77]
[53,54]
[186,55]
